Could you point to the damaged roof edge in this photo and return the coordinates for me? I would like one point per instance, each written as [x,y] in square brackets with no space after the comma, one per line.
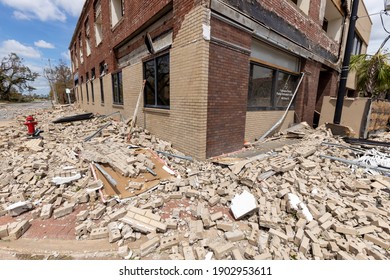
[86,3]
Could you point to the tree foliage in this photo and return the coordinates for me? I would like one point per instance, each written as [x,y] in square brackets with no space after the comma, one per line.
[60,78]
[14,75]
[372,73]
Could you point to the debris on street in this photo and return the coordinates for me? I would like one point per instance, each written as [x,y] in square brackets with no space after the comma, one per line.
[317,198]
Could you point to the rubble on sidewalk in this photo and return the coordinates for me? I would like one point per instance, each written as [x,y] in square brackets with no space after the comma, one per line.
[288,203]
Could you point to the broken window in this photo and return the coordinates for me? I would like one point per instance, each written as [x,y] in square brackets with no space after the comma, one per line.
[156,74]
[117,88]
[304,5]
[270,88]
[332,21]
[81,88]
[81,49]
[98,23]
[117,11]
[87,37]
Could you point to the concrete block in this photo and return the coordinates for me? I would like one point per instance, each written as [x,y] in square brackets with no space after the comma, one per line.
[169,242]
[214,200]
[97,213]
[341,255]
[138,225]
[200,253]
[114,234]
[19,230]
[99,233]
[299,236]
[327,225]
[82,215]
[225,226]
[234,236]
[366,229]
[254,236]
[316,249]
[264,256]
[344,229]
[176,257]
[81,230]
[243,204]
[63,211]
[47,211]
[188,253]
[250,253]
[221,251]
[149,246]
[236,254]
[305,245]
[3,231]
[324,218]
[377,241]
[123,251]
[279,234]
[19,208]
[216,216]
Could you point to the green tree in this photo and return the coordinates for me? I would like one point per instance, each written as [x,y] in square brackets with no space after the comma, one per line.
[14,75]
[373,73]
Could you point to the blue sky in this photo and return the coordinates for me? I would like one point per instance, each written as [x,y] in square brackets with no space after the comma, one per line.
[38,30]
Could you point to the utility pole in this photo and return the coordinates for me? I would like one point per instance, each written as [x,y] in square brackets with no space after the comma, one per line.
[51,83]
[345,68]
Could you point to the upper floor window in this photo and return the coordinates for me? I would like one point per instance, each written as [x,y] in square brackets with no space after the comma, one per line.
[304,5]
[81,49]
[87,37]
[117,11]
[357,45]
[98,23]
[156,74]
[332,21]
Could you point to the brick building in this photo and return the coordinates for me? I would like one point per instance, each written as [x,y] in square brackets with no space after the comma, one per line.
[218,72]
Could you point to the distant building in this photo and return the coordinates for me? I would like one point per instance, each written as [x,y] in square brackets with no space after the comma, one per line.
[218,72]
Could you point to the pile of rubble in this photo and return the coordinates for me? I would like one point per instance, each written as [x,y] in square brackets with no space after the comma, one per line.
[294,202]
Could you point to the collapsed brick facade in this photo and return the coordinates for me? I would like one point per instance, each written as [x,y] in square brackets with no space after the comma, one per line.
[216,48]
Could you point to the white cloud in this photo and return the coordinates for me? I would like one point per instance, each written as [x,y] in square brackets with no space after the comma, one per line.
[45,10]
[13,46]
[43,44]
[378,34]
[21,16]
[66,55]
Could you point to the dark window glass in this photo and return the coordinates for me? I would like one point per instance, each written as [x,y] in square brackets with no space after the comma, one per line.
[261,87]
[269,88]
[101,90]
[86,86]
[117,88]
[157,90]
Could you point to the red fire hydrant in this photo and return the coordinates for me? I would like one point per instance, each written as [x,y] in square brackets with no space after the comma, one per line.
[30,122]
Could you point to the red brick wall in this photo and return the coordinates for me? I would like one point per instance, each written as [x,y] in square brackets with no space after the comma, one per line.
[305,102]
[228,90]
[137,13]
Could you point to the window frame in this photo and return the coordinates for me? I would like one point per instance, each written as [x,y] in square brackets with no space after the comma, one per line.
[154,59]
[273,96]
[117,98]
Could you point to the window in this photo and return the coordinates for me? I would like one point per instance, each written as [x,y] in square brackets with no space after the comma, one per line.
[117,11]
[86,85]
[357,45]
[270,88]
[156,74]
[92,79]
[98,23]
[332,21]
[81,49]
[87,37]
[75,56]
[81,88]
[304,5]
[117,88]
[101,72]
